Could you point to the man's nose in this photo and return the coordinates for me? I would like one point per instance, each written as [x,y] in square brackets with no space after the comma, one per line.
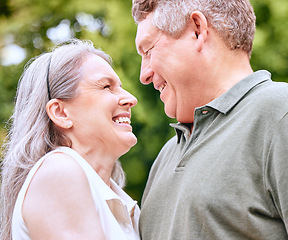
[146,73]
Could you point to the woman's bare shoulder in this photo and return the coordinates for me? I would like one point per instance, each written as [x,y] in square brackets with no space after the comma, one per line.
[58,196]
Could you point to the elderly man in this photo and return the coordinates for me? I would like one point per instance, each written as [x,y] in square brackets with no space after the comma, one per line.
[225,173]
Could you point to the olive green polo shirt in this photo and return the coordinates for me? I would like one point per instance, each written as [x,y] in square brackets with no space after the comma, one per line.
[229,178]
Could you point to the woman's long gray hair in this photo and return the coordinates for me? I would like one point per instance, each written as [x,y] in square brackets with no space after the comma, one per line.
[31,133]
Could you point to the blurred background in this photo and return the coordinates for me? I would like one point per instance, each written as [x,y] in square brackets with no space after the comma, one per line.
[31,27]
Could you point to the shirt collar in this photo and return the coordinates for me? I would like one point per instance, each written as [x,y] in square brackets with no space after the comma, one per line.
[229,99]
[121,205]
[115,192]
[180,129]
[129,202]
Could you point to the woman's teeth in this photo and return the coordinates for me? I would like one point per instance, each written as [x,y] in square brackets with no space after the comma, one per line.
[123,120]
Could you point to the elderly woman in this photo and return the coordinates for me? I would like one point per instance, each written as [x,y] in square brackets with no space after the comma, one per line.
[61,174]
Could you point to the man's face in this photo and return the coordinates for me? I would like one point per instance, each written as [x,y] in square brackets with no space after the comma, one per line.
[171,65]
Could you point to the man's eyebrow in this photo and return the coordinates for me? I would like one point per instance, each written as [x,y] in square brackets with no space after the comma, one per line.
[147,41]
[142,42]
[139,47]
[140,51]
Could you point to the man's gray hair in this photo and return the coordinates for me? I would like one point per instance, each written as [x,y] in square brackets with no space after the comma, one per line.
[233,20]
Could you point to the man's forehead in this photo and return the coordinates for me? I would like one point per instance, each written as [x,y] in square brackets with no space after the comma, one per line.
[146,32]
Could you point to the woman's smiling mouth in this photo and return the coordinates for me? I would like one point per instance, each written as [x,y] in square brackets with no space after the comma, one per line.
[122,120]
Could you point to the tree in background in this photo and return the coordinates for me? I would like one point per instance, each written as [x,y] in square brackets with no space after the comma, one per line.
[31,27]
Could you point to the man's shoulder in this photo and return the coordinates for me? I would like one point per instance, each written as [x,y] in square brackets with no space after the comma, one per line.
[272,92]
[268,100]
[165,152]
[277,86]
[168,146]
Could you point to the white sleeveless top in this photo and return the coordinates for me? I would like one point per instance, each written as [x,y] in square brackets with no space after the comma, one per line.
[119,214]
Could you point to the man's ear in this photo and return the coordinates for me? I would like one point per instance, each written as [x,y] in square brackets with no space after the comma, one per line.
[199,25]
[57,113]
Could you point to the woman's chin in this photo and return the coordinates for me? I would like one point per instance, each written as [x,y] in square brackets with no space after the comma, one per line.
[129,144]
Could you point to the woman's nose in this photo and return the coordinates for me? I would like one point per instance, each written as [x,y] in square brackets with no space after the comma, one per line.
[127,99]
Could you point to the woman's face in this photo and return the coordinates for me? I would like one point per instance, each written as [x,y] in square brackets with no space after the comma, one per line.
[101,111]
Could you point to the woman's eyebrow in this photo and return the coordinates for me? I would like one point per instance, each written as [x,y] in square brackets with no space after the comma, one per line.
[110,80]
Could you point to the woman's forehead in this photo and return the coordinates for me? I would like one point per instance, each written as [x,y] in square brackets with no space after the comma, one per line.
[95,68]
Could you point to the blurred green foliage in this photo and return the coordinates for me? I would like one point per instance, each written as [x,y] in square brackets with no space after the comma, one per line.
[30,23]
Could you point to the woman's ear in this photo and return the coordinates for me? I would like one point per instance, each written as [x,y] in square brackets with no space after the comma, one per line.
[199,25]
[57,113]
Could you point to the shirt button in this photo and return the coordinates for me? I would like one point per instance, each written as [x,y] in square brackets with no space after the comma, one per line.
[204,112]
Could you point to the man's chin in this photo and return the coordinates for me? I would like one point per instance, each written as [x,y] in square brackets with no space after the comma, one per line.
[169,113]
